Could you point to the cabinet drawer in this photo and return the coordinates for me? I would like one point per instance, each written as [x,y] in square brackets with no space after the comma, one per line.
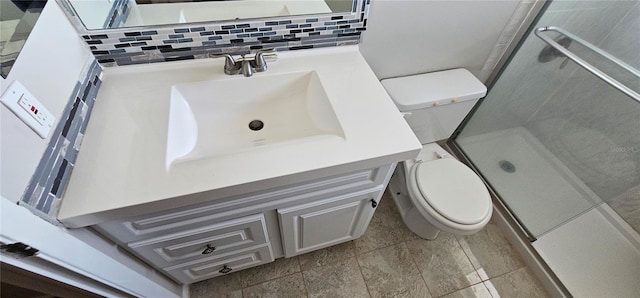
[207,241]
[326,222]
[214,266]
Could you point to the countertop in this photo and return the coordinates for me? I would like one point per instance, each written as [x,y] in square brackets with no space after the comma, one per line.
[120,170]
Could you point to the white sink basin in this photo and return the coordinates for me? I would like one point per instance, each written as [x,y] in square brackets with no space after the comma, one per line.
[222,117]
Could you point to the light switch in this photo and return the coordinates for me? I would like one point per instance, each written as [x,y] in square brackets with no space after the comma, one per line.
[18,99]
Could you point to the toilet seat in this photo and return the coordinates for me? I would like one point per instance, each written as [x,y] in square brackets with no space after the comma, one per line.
[442,186]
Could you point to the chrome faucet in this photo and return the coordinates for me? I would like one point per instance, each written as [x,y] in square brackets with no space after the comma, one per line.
[246,65]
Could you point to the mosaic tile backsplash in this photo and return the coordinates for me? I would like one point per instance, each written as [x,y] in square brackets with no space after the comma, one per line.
[183,42]
[44,192]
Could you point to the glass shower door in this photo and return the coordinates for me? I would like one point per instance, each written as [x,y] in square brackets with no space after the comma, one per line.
[551,138]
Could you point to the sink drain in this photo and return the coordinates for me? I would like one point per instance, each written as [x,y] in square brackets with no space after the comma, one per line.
[507,166]
[256,125]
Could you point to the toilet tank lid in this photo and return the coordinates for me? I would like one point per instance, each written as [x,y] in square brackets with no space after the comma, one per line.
[423,90]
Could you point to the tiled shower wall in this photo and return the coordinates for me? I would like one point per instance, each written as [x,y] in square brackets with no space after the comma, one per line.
[165,43]
[44,192]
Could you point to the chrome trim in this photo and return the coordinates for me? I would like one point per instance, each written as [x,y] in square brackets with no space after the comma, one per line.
[584,64]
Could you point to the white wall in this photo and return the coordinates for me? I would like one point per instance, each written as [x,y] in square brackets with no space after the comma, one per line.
[407,37]
[49,66]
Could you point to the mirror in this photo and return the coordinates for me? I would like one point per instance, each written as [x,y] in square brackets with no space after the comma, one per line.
[109,14]
[17,19]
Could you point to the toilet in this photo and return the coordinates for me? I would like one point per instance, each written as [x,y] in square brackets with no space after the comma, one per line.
[435,192]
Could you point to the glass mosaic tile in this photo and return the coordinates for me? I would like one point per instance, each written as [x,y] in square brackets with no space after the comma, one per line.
[240,37]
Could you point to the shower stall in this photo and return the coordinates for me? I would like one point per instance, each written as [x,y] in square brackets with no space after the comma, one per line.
[557,139]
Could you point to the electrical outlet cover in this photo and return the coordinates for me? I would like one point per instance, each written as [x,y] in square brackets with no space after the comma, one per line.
[30,110]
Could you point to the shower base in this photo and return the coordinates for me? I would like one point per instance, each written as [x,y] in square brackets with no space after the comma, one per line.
[537,187]
[587,245]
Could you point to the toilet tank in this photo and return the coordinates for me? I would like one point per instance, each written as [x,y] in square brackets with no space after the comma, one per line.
[435,103]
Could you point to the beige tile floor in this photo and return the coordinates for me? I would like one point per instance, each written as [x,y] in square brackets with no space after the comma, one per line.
[389,261]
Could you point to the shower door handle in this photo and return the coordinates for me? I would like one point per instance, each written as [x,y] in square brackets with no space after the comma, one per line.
[584,64]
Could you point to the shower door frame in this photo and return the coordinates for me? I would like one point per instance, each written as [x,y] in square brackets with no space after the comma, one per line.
[528,27]
[517,234]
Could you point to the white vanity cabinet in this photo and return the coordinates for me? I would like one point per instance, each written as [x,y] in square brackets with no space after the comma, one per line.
[228,234]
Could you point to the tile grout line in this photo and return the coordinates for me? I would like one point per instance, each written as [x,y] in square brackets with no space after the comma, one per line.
[469,258]
[418,268]
[382,247]
[476,270]
[471,262]
[355,255]
[467,287]
[321,266]
[268,280]
[503,274]
[304,283]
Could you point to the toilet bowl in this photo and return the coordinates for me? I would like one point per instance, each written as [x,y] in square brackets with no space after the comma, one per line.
[435,192]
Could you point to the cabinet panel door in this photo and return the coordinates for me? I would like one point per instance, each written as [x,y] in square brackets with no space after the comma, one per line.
[326,222]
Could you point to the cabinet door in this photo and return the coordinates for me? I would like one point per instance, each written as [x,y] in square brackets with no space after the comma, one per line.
[326,222]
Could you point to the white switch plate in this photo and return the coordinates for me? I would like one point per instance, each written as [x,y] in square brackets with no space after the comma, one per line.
[18,99]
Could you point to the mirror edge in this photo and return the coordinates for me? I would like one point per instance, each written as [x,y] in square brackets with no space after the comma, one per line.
[72,16]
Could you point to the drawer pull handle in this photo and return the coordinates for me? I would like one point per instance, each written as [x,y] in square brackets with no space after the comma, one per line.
[374,204]
[208,250]
[225,269]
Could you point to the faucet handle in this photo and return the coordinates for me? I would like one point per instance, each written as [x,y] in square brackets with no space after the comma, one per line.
[229,60]
[259,63]
[231,66]
[261,52]
[266,54]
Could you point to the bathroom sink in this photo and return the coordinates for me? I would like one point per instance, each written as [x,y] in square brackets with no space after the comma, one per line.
[180,129]
[235,115]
